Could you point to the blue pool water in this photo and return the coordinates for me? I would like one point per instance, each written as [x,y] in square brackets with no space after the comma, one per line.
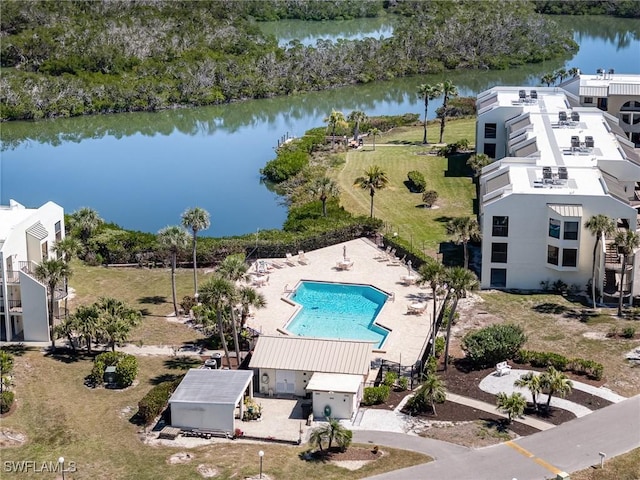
[338,310]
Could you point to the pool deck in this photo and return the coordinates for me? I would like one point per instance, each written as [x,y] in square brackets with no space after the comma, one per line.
[407,331]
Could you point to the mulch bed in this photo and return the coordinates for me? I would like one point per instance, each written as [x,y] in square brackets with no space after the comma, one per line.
[352,453]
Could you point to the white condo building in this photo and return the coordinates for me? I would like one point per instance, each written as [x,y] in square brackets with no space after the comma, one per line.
[557,164]
[26,238]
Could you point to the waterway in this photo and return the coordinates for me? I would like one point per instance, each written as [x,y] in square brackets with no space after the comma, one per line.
[142,170]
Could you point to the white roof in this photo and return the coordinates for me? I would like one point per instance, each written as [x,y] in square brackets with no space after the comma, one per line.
[10,216]
[221,387]
[334,382]
[312,354]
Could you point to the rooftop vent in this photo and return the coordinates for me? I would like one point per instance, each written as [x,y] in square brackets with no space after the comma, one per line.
[534,94]
[547,176]
[588,142]
[575,141]
[600,71]
[575,117]
[522,95]
[562,173]
[562,116]
[611,71]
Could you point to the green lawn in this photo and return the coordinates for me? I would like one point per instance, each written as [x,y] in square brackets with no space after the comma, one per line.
[397,153]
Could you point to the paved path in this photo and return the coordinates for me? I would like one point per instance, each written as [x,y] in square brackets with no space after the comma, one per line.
[569,447]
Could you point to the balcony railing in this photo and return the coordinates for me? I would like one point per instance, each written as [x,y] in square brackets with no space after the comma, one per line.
[11,276]
[15,306]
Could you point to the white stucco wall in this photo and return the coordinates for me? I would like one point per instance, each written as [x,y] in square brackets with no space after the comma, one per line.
[204,416]
[300,380]
[35,310]
[341,404]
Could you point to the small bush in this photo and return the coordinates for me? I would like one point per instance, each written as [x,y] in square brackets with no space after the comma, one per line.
[493,344]
[126,368]
[126,371]
[613,332]
[432,365]
[591,368]
[376,395]
[155,401]
[6,400]
[429,198]
[440,344]
[403,383]
[628,332]
[390,378]
[417,183]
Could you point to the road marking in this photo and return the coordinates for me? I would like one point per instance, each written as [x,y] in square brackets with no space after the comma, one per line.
[528,454]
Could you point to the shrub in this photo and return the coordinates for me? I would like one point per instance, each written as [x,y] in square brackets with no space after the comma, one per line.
[591,368]
[376,395]
[432,365]
[417,183]
[493,344]
[6,400]
[440,344]
[126,368]
[390,378]
[628,332]
[126,371]
[155,401]
[403,383]
[429,198]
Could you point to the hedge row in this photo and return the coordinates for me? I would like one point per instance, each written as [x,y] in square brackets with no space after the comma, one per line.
[579,366]
[376,395]
[154,402]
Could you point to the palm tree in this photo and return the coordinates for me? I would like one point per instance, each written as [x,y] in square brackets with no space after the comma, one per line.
[67,328]
[249,297]
[234,269]
[66,249]
[173,240]
[195,219]
[334,120]
[459,281]
[358,118]
[447,90]
[513,405]
[600,226]
[215,294]
[324,188]
[548,79]
[428,92]
[374,132]
[332,431]
[374,179]
[464,229]
[573,72]
[531,381]
[86,320]
[555,382]
[477,162]
[52,272]
[560,74]
[627,242]
[433,273]
[85,221]
[431,391]
[116,320]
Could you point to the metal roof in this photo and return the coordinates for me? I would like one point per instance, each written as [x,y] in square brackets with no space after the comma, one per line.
[312,355]
[334,382]
[567,210]
[624,89]
[221,387]
[38,231]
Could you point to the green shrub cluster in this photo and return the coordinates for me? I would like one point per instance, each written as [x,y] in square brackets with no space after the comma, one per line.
[376,395]
[289,162]
[440,344]
[417,183]
[390,379]
[493,344]
[6,400]
[576,365]
[155,401]
[403,383]
[126,368]
[628,332]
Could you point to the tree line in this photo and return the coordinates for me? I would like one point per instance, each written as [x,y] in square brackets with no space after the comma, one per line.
[76,58]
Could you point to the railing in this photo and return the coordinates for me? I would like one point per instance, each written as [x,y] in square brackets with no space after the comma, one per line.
[11,276]
[15,305]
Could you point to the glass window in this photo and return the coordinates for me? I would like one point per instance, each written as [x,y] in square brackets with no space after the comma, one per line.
[570,230]
[552,254]
[569,257]
[588,99]
[500,227]
[498,277]
[58,229]
[490,149]
[554,228]
[490,130]
[626,118]
[499,253]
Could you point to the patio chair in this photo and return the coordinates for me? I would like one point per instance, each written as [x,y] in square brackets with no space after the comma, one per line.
[302,259]
[383,256]
[289,260]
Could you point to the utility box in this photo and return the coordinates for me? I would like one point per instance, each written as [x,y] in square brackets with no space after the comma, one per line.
[109,377]
[562,476]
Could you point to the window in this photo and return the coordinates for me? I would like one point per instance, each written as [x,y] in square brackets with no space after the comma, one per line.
[44,250]
[588,99]
[499,253]
[554,228]
[490,130]
[626,118]
[570,230]
[58,229]
[569,257]
[498,277]
[490,149]
[552,254]
[602,103]
[500,227]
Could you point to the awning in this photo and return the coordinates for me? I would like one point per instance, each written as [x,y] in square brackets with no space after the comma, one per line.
[566,210]
[334,382]
[38,231]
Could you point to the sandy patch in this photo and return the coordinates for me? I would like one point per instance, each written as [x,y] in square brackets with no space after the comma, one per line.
[351,464]
[11,438]
[208,471]
[180,457]
[595,335]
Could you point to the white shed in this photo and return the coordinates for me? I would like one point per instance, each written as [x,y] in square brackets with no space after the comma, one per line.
[210,399]
[335,395]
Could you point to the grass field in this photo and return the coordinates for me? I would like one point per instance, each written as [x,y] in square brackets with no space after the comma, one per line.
[623,467]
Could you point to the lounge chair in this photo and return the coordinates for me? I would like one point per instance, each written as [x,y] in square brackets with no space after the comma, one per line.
[383,256]
[289,260]
[302,259]
[277,263]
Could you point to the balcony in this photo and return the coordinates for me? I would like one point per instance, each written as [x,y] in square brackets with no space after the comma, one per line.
[15,306]
[12,277]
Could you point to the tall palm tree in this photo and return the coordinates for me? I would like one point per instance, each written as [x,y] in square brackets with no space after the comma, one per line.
[428,92]
[464,229]
[173,240]
[447,90]
[560,74]
[573,72]
[85,220]
[555,382]
[234,269]
[459,281]
[334,120]
[249,297]
[215,294]
[513,405]
[324,188]
[374,179]
[87,323]
[195,219]
[600,226]
[52,272]
[627,242]
[374,132]
[66,249]
[531,381]
[433,273]
[116,320]
[358,117]
[548,79]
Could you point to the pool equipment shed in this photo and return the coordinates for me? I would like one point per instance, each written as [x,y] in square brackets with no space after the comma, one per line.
[210,400]
[285,364]
[335,395]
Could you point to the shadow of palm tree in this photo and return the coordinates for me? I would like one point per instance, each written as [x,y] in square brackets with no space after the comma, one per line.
[549,307]
[153,299]
[164,377]
[16,350]
[183,362]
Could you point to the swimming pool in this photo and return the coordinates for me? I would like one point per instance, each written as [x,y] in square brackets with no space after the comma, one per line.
[338,310]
